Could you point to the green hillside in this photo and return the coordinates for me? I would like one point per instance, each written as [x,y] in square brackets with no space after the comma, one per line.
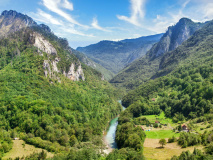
[53,112]
[186,91]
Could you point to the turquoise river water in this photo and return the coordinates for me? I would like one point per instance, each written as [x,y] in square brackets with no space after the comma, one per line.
[110,136]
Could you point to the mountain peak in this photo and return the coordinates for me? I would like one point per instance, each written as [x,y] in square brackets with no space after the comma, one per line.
[12,15]
[9,13]
[12,21]
[185,20]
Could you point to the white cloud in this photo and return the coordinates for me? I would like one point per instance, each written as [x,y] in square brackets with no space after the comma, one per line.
[185,4]
[74,31]
[67,5]
[56,5]
[161,23]
[67,28]
[44,17]
[96,25]
[208,11]
[137,12]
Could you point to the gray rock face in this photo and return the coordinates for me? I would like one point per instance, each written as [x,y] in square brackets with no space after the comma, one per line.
[12,21]
[75,75]
[42,44]
[51,70]
[174,37]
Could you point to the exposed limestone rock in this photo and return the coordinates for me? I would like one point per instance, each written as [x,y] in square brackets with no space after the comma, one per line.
[42,44]
[46,68]
[102,77]
[75,75]
[50,68]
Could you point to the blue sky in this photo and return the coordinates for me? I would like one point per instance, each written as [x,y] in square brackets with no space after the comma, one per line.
[84,22]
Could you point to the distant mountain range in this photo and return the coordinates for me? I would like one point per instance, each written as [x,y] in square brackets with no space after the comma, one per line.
[146,67]
[114,56]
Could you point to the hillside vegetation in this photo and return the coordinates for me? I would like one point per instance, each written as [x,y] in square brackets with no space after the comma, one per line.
[45,108]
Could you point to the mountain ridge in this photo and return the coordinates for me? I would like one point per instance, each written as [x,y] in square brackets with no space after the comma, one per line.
[114,55]
[144,68]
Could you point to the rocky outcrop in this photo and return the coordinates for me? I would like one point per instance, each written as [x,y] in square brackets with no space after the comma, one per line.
[42,44]
[174,37]
[50,67]
[12,21]
[75,75]
[51,70]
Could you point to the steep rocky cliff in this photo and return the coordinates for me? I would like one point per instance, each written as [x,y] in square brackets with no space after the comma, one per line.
[144,68]
[174,36]
[12,21]
[75,72]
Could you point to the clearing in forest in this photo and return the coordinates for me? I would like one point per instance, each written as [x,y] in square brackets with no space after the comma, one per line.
[20,150]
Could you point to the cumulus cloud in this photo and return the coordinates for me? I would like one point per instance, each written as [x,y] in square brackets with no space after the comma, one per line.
[137,12]
[96,25]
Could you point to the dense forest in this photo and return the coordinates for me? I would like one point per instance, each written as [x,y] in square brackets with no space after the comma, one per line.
[184,93]
[48,113]
[187,89]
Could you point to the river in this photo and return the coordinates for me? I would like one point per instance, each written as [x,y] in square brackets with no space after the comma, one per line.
[109,138]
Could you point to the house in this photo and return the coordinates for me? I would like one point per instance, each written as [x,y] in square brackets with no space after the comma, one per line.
[184,127]
[157,122]
[153,99]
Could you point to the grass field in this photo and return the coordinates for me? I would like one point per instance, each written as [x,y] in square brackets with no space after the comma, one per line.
[152,150]
[158,134]
[161,118]
[19,151]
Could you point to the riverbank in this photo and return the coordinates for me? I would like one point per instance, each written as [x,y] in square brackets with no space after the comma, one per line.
[109,135]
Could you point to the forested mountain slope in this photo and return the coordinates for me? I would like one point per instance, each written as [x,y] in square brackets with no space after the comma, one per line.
[187,90]
[114,56]
[183,94]
[47,96]
[143,69]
